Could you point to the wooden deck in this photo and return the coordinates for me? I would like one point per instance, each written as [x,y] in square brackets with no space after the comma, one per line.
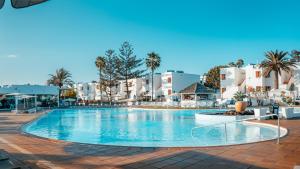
[44,153]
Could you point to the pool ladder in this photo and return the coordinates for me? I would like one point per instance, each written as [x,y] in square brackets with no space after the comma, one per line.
[243,120]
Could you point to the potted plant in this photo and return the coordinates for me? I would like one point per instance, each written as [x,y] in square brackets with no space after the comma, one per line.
[240,105]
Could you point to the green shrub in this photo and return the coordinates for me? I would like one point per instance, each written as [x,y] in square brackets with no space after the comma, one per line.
[239,96]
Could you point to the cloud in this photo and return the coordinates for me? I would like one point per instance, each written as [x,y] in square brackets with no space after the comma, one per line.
[11,56]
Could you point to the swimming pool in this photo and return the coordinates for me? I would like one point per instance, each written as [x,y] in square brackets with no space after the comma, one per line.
[145,128]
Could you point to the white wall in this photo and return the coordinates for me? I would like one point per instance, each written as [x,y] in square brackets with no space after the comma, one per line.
[87,91]
[252,81]
[234,81]
[135,86]
[233,76]
[179,81]
[284,79]
[140,87]
[242,79]
[296,80]
[157,85]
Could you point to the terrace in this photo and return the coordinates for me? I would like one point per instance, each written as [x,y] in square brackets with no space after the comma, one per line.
[37,152]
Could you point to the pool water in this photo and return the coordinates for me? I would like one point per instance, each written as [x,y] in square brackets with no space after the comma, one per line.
[145,128]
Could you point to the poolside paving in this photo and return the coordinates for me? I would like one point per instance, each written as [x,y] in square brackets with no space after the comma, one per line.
[44,153]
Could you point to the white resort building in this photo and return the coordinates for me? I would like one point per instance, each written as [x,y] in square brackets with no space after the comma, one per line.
[232,81]
[87,91]
[175,81]
[166,87]
[134,89]
[140,88]
[250,80]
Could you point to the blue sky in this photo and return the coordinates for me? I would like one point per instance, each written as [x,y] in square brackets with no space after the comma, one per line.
[190,35]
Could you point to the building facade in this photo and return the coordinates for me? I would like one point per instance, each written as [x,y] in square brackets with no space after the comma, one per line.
[232,80]
[251,80]
[165,86]
[174,81]
[87,91]
[140,88]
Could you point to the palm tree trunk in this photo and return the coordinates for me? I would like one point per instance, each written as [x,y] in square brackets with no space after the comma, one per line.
[276,83]
[152,86]
[100,84]
[127,88]
[110,87]
[59,95]
[110,98]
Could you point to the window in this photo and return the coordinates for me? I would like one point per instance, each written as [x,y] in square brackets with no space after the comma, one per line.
[147,81]
[223,90]
[169,92]
[169,80]
[258,74]
[268,88]
[223,76]
[258,88]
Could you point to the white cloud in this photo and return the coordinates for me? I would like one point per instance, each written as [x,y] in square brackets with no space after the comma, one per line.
[11,56]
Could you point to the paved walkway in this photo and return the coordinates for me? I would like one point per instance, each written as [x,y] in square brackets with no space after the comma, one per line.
[44,153]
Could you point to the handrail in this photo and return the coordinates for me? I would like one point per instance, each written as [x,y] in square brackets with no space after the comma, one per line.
[242,120]
[234,121]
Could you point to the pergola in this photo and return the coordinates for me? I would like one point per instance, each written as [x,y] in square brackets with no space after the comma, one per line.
[30,91]
[197,92]
[19,96]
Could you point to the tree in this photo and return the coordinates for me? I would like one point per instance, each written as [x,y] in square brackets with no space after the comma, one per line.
[70,93]
[296,55]
[100,64]
[152,62]
[109,77]
[61,78]
[128,65]
[231,64]
[213,77]
[239,63]
[276,62]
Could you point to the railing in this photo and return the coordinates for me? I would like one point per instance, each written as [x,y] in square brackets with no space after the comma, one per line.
[243,120]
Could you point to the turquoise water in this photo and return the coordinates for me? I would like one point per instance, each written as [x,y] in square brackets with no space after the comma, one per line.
[145,128]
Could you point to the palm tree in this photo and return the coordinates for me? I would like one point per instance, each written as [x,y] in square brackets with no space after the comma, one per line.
[239,63]
[231,64]
[100,64]
[276,62]
[61,78]
[152,62]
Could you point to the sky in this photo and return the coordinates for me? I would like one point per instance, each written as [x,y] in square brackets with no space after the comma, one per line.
[190,35]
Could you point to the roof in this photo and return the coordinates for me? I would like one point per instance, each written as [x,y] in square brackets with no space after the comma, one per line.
[30,90]
[197,88]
